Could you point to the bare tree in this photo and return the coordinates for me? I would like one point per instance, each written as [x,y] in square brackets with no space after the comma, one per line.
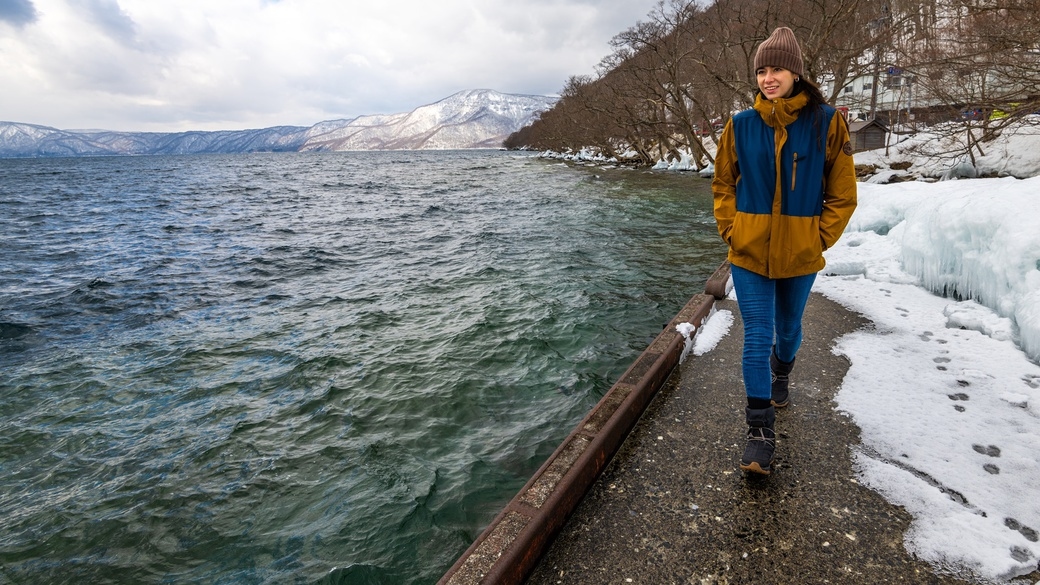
[979,61]
[670,80]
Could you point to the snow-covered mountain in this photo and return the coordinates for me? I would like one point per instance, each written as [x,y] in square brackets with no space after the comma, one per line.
[468,119]
[479,118]
[30,140]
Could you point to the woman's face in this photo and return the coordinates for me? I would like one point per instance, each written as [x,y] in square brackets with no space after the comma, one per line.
[775,82]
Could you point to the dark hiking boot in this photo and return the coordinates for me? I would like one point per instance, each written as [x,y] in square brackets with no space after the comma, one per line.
[761,441]
[780,371]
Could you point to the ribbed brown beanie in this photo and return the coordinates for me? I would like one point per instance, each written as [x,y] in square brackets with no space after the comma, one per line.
[780,50]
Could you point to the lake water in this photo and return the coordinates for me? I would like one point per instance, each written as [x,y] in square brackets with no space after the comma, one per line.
[301,368]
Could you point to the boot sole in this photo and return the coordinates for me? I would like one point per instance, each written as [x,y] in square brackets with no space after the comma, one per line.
[754,467]
[780,404]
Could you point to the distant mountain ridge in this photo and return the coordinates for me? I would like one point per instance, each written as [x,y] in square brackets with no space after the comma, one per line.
[479,118]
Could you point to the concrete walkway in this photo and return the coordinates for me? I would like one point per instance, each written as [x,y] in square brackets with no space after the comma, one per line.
[672,507]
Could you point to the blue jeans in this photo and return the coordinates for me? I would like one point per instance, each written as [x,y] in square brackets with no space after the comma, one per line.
[770,308]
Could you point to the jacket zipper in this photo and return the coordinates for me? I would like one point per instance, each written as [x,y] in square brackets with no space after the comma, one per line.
[794,170]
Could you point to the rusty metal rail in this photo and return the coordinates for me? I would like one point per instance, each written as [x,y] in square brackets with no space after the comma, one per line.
[510,547]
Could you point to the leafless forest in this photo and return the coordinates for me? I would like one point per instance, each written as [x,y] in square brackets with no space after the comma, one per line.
[672,80]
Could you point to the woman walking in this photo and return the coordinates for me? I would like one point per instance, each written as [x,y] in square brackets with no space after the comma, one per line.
[784,188]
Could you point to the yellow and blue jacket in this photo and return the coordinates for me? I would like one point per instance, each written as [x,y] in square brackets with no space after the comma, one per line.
[784,191]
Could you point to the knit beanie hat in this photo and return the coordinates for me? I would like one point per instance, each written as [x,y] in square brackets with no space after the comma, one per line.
[780,50]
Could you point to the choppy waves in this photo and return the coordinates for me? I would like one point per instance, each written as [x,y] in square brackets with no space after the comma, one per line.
[287,368]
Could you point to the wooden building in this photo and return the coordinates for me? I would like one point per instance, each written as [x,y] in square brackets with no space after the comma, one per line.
[867,135]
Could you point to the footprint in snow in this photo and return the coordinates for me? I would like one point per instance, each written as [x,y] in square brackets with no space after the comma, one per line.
[989,450]
[1030,534]
[958,397]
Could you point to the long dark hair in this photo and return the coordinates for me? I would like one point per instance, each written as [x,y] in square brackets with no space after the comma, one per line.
[812,91]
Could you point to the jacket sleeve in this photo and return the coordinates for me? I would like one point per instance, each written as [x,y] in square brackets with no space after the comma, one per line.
[839,194]
[724,183]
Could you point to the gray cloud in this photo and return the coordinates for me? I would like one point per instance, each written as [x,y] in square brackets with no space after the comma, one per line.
[110,18]
[17,12]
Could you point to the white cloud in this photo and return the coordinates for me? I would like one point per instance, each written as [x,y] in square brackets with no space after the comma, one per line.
[200,64]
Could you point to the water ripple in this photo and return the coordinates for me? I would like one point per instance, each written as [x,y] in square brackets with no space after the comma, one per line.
[309,368]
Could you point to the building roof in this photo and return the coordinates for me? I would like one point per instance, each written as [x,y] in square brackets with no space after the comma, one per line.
[855,127]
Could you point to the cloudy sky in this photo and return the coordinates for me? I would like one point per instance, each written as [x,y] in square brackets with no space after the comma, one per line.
[167,65]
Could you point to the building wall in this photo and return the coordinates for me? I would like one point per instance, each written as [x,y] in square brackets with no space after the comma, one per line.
[895,92]
[869,138]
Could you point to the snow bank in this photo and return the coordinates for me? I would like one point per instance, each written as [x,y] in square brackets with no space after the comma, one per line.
[934,153]
[947,403]
[977,239]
